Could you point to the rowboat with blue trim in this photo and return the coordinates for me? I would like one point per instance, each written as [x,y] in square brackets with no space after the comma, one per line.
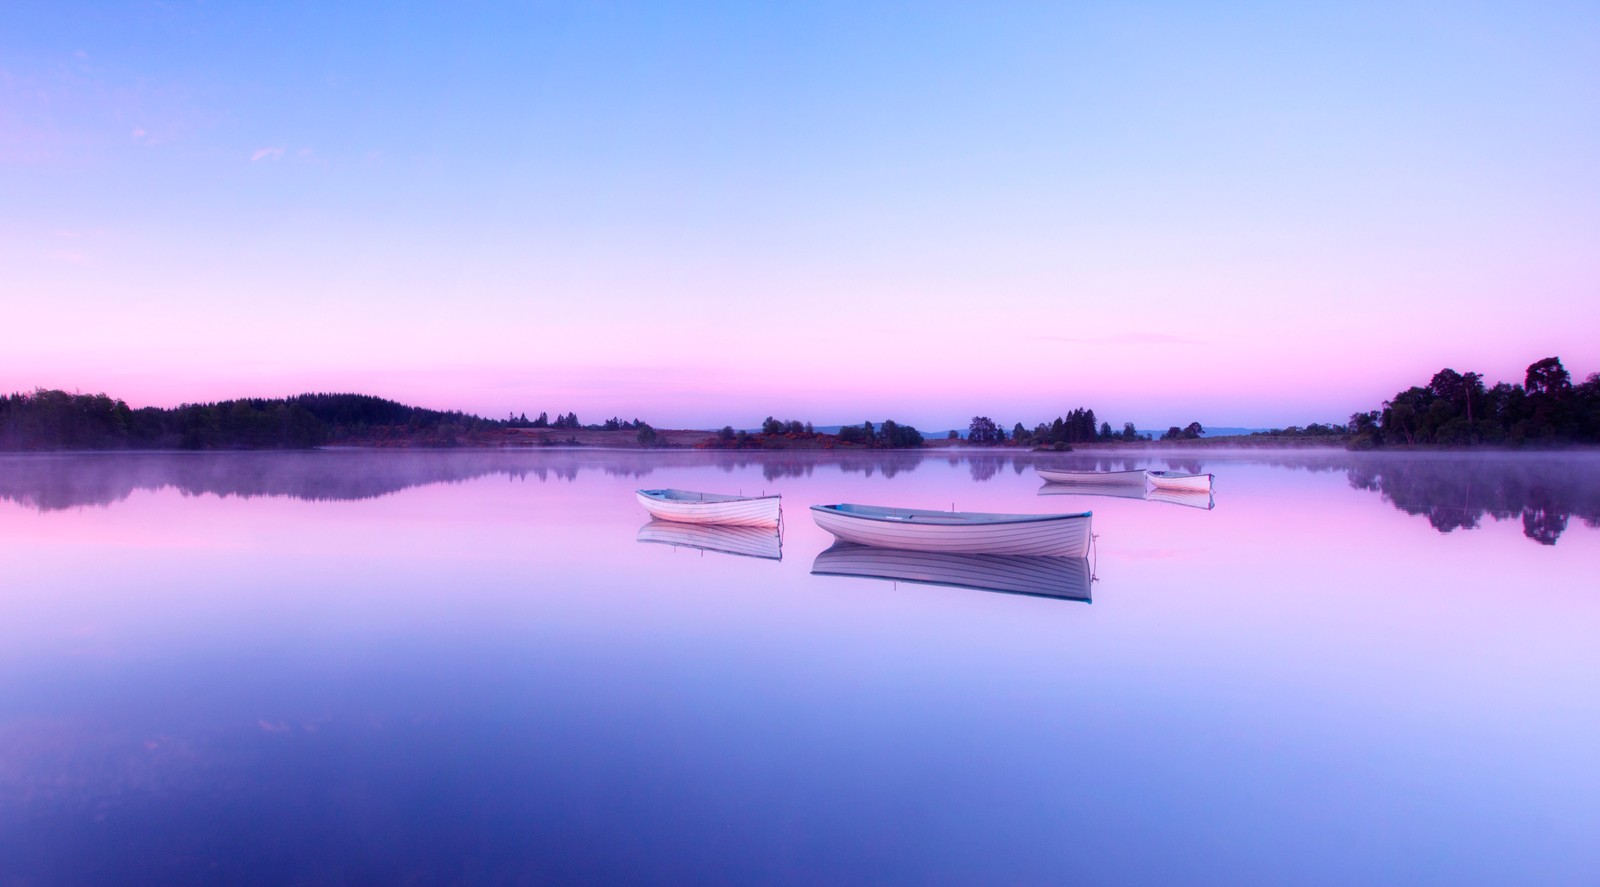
[690,507]
[969,532]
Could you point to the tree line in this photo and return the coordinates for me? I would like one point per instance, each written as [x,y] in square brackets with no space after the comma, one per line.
[1077,426]
[1456,409]
[59,420]
[889,435]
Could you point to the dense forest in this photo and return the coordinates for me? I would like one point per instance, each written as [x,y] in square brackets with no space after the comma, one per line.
[1455,409]
[58,420]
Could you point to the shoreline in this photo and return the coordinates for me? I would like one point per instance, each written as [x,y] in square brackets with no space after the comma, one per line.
[1217,446]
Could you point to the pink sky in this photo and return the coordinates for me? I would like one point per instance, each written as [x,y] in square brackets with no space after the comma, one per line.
[1214,218]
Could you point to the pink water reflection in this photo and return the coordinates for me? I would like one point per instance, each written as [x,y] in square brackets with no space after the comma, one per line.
[1306,677]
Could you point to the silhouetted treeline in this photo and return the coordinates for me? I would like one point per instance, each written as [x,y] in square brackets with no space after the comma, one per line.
[890,434]
[1077,426]
[768,438]
[1315,429]
[1193,431]
[1455,409]
[780,433]
[793,426]
[57,420]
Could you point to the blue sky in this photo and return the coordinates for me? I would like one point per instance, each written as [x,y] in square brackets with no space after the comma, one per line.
[705,213]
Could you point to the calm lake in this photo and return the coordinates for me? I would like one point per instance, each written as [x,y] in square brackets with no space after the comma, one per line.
[483,667]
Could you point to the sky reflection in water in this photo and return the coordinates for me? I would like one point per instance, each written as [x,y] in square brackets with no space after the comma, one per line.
[345,666]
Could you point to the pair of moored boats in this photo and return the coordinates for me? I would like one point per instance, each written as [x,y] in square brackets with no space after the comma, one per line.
[1031,554]
[1066,578]
[903,529]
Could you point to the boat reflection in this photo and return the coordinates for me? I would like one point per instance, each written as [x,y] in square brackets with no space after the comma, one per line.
[1066,578]
[762,542]
[1187,498]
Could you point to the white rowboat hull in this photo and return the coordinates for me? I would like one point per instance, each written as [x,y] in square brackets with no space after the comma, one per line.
[738,511]
[1064,535]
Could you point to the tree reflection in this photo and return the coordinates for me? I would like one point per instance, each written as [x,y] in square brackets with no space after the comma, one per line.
[1457,493]
[985,466]
[1452,492]
[61,481]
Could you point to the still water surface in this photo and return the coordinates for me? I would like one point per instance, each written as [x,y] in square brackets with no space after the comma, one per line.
[429,667]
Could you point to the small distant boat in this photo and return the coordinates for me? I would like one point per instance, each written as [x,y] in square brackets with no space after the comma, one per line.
[1062,476]
[1056,577]
[959,532]
[761,542]
[689,507]
[1178,480]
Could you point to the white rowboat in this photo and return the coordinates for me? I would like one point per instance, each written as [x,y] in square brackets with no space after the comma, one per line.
[1061,476]
[689,507]
[1178,480]
[1056,577]
[959,532]
[762,542]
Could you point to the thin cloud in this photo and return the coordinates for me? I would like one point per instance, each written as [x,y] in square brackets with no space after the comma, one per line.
[138,133]
[266,154]
[1125,339]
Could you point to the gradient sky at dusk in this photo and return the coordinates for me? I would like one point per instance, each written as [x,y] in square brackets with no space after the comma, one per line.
[1246,214]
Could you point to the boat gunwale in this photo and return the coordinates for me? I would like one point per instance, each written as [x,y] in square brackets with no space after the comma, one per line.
[911,514]
[1072,476]
[720,498]
[1043,468]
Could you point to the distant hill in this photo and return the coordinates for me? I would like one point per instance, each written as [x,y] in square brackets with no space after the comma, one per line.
[58,420]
